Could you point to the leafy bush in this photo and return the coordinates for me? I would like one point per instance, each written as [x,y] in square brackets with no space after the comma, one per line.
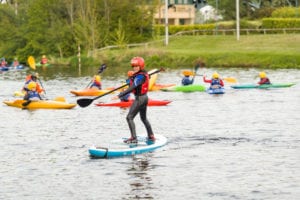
[286,12]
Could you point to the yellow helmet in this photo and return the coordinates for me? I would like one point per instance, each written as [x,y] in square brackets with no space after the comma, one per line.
[97,78]
[262,75]
[215,75]
[31,85]
[44,56]
[187,73]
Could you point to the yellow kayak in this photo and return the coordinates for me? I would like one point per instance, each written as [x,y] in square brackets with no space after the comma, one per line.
[42,104]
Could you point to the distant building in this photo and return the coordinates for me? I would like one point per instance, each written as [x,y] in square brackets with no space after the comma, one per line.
[184,12]
[181,12]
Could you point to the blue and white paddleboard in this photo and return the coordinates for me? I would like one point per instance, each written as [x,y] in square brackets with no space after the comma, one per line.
[215,91]
[119,148]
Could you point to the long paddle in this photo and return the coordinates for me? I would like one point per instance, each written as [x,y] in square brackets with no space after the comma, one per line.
[31,62]
[100,70]
[86,102]
[228,79]
[197,66]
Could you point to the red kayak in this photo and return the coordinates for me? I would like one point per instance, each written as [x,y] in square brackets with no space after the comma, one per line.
[151,102]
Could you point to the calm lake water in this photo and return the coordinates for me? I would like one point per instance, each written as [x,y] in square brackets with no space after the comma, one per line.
[241,145]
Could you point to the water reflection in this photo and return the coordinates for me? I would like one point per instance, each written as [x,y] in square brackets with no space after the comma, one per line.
[140,179]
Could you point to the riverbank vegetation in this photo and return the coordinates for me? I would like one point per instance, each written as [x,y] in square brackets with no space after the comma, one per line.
[66,30]
[263,51]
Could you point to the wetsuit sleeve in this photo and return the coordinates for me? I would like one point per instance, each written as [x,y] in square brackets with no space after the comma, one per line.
[206,80]
[221,83]
[138,80]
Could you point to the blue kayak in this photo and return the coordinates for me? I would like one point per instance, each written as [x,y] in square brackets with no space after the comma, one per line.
[119,149]
[215,90]
[4,68]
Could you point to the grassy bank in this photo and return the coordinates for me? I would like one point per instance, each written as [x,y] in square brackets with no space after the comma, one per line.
[261,51]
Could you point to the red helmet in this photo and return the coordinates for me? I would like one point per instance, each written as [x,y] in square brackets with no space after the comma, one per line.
[138,61]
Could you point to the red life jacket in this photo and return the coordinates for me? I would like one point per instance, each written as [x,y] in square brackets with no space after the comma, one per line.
[141,89]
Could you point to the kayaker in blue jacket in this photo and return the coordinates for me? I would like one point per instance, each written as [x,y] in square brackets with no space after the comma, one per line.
[139,85]
[187,80]
[31,93]
[263,79]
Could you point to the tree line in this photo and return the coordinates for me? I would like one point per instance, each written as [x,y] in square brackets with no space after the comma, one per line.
[59,27]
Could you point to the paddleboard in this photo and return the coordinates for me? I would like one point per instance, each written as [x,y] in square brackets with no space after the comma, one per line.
[118,148]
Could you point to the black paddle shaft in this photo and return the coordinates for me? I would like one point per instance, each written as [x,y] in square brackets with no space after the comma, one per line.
[86,102]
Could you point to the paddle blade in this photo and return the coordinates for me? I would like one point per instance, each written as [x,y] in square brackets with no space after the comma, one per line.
[61,99]
[230,80]
[102,68]
[31,62]
[84,102]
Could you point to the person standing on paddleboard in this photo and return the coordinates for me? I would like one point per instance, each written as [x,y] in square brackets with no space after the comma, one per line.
[139,84]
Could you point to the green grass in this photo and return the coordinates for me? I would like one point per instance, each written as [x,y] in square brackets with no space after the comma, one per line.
[262,51]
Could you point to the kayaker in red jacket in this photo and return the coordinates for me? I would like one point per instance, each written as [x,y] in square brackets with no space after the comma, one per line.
[44,60]
[3,63]
[139,85]
[263,79]
[215,82]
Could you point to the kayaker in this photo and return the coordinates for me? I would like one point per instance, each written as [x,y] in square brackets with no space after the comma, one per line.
[126,96]
[216,82]
[15,63]
[139,84]
[44,60]
[263,79]
[3,63]
[33,78]
[96,84]
[187,80]
[32,94]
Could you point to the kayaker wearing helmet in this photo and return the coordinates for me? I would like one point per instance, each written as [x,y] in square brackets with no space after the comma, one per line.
[3,62]
[215,82]
[32,94]
[186,80]
[139,84]
[263,79]
[96,84]
[126,96]
[44,60]
[15,63]
[32,78]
